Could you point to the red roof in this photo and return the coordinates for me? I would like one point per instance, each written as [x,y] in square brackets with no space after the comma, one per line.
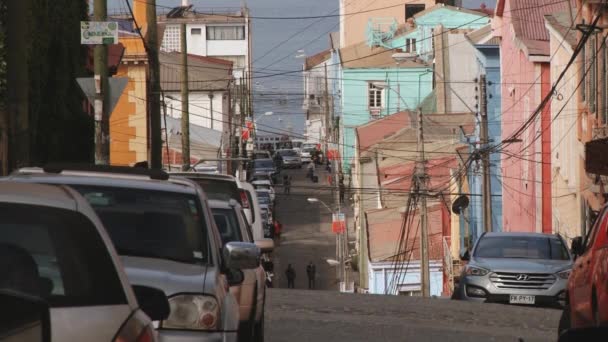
[384,229]
[377,130]
[317,59]
[211,60]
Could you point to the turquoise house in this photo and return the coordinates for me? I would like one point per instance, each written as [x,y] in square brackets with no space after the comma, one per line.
[373,85]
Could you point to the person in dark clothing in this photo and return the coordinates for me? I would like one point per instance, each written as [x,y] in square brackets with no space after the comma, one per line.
[290,273]
[342,190]
[311,273]
[286,184]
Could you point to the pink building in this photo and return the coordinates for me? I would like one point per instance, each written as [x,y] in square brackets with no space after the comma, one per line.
[526,80]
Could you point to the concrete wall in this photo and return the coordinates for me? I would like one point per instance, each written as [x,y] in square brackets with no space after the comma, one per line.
[355,107]
[200,109]
[353,26]
[567,151]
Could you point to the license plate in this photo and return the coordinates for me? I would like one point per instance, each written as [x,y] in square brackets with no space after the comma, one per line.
[519,299]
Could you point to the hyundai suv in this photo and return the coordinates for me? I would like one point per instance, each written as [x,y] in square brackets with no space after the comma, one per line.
[516,268]
[165,234]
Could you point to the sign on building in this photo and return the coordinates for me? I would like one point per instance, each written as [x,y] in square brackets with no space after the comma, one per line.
[98,32]
[338,224]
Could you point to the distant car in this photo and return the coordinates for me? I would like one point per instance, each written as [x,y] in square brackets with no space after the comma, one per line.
[516,268]
[288,158]
[259,154]
[264,197]
[587,299]
[307,154]
[259,167]
[54,247]
[265,185]
[251,293]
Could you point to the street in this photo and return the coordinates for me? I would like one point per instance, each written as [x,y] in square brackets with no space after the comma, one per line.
[325,315]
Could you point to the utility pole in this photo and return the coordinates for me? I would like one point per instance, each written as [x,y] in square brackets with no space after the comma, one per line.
[156,143]
[485,155]
[327,114]
[185,103]
[421,180]
[166,134]
[241,91]
[102,89]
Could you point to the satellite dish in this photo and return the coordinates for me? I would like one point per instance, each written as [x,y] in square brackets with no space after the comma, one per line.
[461,203]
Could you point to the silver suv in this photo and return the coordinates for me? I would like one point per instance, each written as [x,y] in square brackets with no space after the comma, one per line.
[164,232]
[516,268]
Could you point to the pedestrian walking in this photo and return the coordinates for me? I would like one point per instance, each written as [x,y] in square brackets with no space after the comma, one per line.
[342,190]
[286,184]
[311,271]
[278,227]
[290,273]
[311,170]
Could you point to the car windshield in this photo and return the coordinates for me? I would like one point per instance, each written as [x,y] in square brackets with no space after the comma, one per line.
[522,247]
[263,164]
[228,225]
[57,255]
[288,153]
[151,224]
[221,190]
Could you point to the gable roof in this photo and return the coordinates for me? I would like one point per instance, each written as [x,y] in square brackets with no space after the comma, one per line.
[528,22]
[361,55]
[204,73]
[375,131]
[483,36]
[317,59]
[560,23]
[448,7]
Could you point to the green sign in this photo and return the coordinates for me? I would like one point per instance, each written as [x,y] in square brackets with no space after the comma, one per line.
[98,32]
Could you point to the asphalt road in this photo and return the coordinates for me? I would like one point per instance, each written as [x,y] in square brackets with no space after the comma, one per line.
[326,315]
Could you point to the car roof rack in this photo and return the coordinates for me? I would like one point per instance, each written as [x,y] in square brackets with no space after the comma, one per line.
[155,174]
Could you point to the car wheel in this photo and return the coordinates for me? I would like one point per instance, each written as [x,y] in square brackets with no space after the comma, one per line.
[565,320]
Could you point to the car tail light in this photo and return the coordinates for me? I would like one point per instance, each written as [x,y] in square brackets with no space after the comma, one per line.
[194,312]
[136,329]
[244,199]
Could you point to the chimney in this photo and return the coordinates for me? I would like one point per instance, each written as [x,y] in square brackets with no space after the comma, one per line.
[139,12]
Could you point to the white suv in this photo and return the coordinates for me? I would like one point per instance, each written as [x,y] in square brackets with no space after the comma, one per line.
[164,232]
[53,247]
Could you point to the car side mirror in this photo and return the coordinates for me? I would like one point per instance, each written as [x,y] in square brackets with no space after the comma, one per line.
[241,255]
[153,302]
[577,246]
[234,277]
[465,255]
[26,318]
[265,245]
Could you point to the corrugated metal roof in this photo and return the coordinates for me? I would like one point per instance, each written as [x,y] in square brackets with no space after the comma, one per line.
[377,130]
[361,56]
[528,17]
[204,73]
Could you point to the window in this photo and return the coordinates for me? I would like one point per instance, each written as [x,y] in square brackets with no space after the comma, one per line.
[57,255]
[522,247]
[410,45]
[592,74]
[196,31]
[412,10]
[151,224]
[225,32]
[227,224]
[375,96]
[171,39]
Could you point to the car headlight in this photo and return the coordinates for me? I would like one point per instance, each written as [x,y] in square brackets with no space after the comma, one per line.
[475,271]
[564,274]
[195,312]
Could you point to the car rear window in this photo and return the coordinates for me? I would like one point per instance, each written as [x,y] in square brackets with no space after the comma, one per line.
[57,255]
[522,247]
[288,153]
[263,164]
[228,225]
[220,190]
[151,224]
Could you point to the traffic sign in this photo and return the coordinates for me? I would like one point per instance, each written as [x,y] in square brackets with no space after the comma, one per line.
[338,224]
[98,32]
[116,84]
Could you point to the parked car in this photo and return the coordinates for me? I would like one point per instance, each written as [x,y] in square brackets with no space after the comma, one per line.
[53,247]
[516,268]
[287,158]
[260,167]
[265,185]
[260,154]
[163,230]
[251,293]
[587,296]
[225,188]
[306,155]
[265,198]
[256,222]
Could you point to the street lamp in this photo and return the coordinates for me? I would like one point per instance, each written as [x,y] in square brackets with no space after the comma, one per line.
[316,200]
